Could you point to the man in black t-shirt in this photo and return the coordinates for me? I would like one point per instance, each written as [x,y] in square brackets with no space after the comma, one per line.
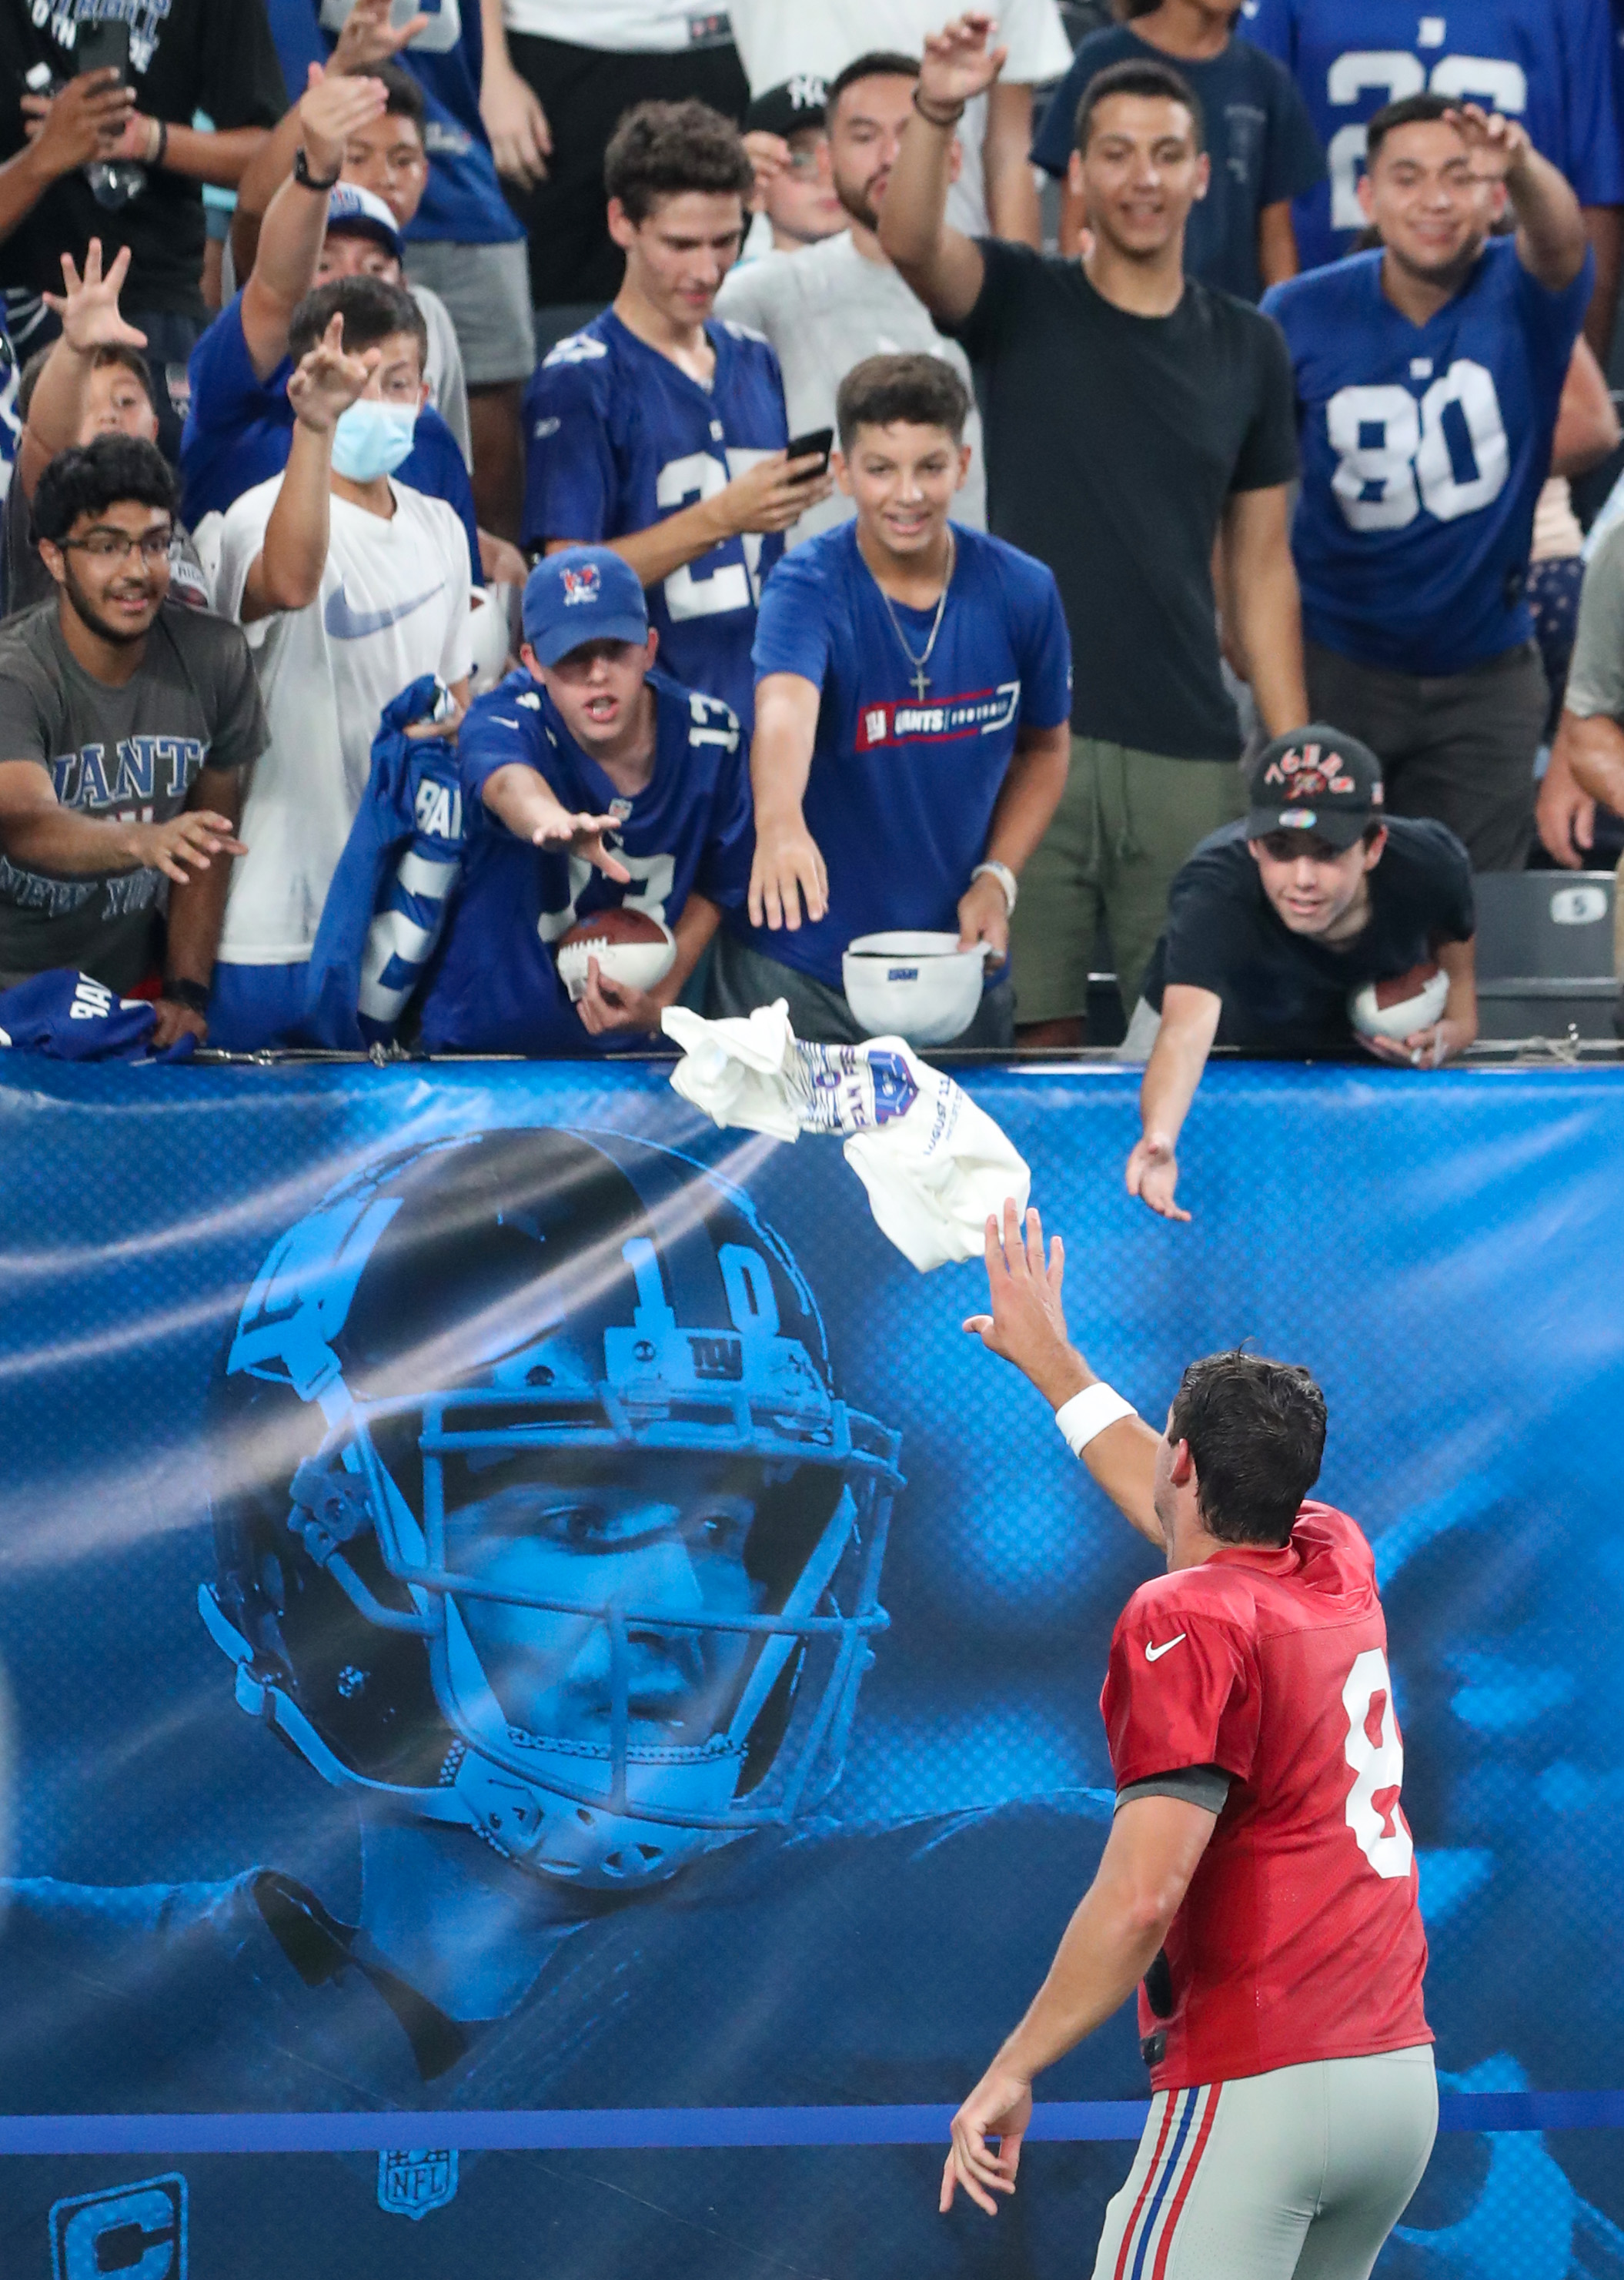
[1133,417]
[1275,921]
[185,56]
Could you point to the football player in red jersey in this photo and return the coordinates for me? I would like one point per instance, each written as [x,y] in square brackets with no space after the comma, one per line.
[1259,1879]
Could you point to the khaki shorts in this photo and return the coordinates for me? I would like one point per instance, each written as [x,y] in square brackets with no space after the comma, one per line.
[1297,2175]
[1125,824]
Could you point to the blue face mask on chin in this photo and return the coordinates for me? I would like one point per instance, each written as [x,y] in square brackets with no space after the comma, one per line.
[372,439]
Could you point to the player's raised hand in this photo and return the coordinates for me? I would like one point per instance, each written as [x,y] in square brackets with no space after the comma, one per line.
[1000,2106]
[1496,144]
[1027,1322]
[190,838]
[960,62]
[326,382]
[331,108]
[88,305]
[769,155]
[788,866]
[1153,1175]
[770,496]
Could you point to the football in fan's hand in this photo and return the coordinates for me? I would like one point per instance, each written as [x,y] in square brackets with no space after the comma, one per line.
[1401,1005]
[630,947]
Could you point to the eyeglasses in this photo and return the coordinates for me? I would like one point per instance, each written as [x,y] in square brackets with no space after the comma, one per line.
[105,545]
[804,163]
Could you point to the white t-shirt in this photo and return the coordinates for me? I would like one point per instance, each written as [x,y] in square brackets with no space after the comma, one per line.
[777,38]
[394,604]
[625,26]
[824,308]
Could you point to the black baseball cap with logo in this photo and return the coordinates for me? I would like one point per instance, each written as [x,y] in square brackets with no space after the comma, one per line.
[1315,779]
[789,109]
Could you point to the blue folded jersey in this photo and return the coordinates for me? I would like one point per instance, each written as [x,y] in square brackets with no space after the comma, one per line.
[71,1017]
[387,904]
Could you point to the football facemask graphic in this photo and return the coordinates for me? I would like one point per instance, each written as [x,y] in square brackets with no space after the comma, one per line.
[535,1511]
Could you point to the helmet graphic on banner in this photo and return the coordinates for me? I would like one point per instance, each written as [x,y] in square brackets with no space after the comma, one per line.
[536,1512]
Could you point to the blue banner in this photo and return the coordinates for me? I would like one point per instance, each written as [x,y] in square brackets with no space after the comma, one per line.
[554,1691]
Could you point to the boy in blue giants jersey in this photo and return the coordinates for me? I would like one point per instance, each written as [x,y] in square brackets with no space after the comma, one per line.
[660,431]
[913,687]
[590,781]
[1549,64]
[1429,375]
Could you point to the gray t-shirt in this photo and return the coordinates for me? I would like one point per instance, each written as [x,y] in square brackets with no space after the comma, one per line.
[825,309]
[1596,676]
[132,752]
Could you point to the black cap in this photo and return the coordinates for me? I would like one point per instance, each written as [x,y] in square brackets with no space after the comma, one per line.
[1317,780]
[789,109]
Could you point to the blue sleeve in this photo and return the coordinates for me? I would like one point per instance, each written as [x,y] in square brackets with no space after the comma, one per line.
[226,390]
[1293,160]
[488,740]
[570,486]
[1045,656]
[435,466]
[1594,159]
[724,868]
[792,626]
[1051,146]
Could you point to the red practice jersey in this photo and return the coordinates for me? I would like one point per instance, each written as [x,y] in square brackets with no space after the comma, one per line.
[1300,1937]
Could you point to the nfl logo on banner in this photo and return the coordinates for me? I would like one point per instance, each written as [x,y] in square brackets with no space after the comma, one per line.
[138,2228]
[412,2184]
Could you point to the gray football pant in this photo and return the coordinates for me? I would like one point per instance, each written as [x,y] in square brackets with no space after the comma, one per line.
[1297,2175]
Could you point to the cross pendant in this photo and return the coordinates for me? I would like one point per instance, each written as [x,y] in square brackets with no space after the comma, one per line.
[921,681]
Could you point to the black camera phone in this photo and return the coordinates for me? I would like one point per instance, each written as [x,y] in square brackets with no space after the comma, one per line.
[800,447]
[104,45]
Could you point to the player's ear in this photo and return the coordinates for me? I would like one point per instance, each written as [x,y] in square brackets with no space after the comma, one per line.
[965,453]
[840,468]
[1373,848]
[54,558]
[650,648]
[527,659]
[1181,1472]
[622,228]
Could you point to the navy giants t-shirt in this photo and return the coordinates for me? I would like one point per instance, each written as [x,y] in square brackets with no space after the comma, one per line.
[617,438]
[688,831]
[902,786]
[1424,448]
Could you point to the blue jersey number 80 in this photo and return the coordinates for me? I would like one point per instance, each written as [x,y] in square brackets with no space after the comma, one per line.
[1393,454]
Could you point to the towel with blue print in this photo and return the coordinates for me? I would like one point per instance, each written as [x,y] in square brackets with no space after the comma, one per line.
[70,1017]
[387,905]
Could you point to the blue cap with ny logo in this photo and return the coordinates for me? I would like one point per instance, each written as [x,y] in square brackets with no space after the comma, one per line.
[582,594]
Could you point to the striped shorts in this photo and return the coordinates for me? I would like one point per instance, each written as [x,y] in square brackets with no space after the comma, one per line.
[1297,2175]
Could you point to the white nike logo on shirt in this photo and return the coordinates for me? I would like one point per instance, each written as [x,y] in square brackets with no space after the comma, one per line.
[344,622]
[1155,1653]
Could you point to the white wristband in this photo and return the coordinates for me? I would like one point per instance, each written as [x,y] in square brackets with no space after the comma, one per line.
[1089,1412]
[1005,878]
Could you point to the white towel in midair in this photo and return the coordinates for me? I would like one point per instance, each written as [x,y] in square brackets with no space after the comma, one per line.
[933,1164]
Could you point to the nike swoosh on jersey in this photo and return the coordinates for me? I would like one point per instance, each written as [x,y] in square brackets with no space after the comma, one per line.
[345,623]
[1155,1653]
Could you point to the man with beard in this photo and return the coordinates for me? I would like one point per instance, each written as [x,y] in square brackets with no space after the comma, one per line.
[124,722]
[829,306]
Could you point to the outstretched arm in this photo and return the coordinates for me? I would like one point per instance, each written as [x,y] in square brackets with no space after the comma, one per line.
[1189,1023]
[1027,1327]
[943,267]
[1154,1849]
[88,308]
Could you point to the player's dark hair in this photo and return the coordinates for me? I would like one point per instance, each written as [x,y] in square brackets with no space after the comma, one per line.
[1157,81]
[402,97]
[660,150]
[373,311]
[923,391]
[88,478]
[1409,111]
[1255,1430]
[117,352]
[878,63]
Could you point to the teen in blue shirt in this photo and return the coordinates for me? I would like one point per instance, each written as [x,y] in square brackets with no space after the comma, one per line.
[914,692]
[1263,150]
[1428,380]
[590,783]
[659,431]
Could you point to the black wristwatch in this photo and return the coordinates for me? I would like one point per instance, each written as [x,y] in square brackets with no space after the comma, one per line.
[192,994]
[302,172]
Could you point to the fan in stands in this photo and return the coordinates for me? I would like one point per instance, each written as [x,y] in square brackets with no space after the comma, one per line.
[630,947]
[1400,1005]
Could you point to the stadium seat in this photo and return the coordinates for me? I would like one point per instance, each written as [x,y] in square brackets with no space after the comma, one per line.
[1545,953]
